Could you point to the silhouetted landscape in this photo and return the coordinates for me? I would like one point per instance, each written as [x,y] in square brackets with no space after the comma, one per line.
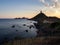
[29,22]
[48,32]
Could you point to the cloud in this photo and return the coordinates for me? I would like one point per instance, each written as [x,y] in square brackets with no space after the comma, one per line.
[53,4]
[54,0]
[44,2]
[52,7]
[56,4]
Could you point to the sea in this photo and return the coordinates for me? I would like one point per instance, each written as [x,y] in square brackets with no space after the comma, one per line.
[11,28]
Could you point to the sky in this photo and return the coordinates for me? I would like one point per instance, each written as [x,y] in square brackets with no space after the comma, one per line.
[28,8]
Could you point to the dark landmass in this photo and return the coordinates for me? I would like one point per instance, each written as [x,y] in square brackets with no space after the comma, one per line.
[41,17]
[47,26]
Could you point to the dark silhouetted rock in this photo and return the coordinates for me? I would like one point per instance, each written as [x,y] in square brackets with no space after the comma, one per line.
[37,25]
[13,26]
[24,24]
[31,26]
[26,30]
[16,30]
[39,17]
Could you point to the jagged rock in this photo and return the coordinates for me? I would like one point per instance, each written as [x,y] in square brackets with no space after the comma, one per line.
[16,30]
[26,30]
[31,26]
[24,24]
[13,26]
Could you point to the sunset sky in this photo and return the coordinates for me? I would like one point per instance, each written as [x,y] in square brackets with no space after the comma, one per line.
[28,8]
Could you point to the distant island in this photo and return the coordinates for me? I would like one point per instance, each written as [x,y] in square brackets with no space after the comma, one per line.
[21,18]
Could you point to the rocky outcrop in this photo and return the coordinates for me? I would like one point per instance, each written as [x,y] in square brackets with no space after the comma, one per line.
[47,26]
[39,17]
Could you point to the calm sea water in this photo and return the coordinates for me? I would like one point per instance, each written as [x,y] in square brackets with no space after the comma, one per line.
[6,29]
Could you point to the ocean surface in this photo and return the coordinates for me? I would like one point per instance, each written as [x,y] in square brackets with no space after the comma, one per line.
[11,28]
